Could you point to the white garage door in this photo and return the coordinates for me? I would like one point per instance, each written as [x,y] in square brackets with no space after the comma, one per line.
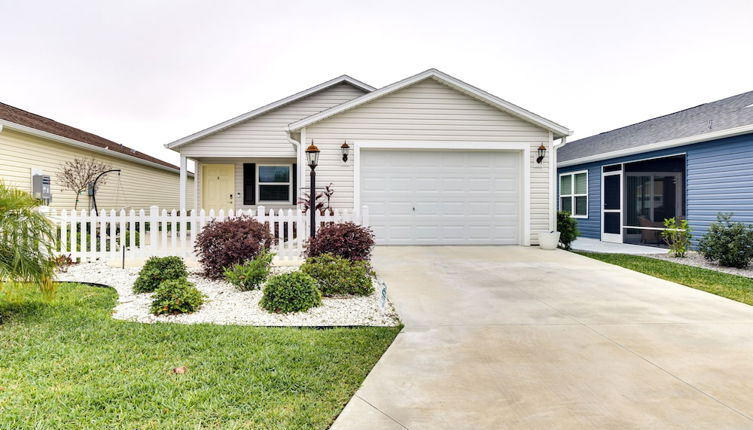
[422,197]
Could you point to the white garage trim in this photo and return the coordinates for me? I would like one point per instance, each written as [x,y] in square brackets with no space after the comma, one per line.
[525,159]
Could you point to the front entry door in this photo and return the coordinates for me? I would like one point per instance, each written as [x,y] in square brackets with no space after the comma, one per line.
[217,186]
[611,207]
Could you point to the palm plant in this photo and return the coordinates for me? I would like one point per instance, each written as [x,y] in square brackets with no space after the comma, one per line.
[26,241]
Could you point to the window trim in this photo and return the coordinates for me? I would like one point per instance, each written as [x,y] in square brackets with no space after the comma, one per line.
[259,183]
[572,193]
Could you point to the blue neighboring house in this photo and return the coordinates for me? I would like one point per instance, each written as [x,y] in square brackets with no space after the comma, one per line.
[620,185]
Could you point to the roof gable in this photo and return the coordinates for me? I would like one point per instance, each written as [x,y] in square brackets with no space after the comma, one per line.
[269,107]
[447,80]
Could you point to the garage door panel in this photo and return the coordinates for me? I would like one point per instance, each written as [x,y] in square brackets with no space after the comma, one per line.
[442,197]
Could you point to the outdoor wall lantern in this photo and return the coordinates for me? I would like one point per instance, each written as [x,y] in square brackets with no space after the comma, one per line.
[312,158]
[345,148]
[542,153]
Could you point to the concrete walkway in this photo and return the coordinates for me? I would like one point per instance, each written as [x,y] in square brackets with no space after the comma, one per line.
[521,338]
[595,245]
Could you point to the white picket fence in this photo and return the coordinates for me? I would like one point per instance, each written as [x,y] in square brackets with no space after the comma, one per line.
[162,233]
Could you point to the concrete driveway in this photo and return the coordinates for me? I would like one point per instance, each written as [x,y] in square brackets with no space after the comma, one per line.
[520,338]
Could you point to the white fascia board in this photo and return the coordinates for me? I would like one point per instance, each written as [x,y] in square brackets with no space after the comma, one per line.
[698,138]
[448,80]
[274,105]
[71,142]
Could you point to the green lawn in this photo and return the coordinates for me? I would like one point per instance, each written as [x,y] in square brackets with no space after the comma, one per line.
[738,288]
[69,365]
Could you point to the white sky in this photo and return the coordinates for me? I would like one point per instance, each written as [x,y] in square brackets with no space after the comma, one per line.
[144,73]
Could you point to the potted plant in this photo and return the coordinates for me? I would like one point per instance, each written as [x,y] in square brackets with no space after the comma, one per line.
[549,239]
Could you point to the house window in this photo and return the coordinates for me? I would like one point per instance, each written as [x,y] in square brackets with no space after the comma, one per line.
[574,193]
[274,183]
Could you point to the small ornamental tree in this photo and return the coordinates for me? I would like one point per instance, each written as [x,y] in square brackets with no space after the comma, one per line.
[677,237]
[77,174]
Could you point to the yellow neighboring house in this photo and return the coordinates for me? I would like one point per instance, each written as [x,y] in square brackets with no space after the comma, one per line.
[32,144]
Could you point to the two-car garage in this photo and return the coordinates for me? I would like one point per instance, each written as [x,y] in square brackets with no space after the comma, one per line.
[443,197]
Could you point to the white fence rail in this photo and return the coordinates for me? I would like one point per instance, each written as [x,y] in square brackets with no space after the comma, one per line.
[113,235]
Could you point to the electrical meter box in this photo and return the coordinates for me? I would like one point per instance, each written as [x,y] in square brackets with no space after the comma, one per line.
[41,187]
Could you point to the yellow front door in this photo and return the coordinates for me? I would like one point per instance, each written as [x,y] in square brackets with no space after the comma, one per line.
[217,186]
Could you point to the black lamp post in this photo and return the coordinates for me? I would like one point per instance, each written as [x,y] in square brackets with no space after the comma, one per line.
[312,158]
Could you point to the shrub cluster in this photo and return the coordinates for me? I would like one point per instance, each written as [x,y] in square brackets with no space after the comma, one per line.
[176,296]
[347,240]
[252,273]
[157,270]
[290,292]
[222,244]
[336,275]
[568,228]
[728,243]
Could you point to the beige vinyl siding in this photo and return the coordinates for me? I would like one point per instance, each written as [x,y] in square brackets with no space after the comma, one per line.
[264,135]
[238,180]
[428,111]
[141,186]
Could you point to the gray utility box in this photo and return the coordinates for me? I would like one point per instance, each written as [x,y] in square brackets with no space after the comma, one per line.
[41,187]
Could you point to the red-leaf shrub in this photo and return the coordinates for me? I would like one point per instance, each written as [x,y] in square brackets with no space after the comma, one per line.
[348,240]
[222,244]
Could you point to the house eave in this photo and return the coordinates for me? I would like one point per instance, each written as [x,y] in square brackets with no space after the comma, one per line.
[698,138]
[82,145]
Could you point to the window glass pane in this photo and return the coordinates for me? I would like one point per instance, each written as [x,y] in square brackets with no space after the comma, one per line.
[581,187]
[274,193]
[566,204]
[274,174]
[566,185]
[581,204]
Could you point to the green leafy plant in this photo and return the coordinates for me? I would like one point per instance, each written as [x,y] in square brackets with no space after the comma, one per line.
[27,239]
[728,243]
[252,273]
[568,228]
[176,296]
[290,292]
[677,237]
[339,276]
[157,270]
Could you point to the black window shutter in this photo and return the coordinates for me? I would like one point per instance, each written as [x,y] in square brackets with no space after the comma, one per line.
[295,184]
[249,183]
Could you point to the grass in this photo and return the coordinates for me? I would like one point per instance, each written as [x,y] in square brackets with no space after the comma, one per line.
[68,364]
[738,288]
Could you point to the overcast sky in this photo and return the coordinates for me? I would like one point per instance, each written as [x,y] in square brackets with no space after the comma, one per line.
[144,73]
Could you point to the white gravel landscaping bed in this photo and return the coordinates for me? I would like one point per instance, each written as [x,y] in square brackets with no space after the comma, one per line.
[695,259]
[225,304]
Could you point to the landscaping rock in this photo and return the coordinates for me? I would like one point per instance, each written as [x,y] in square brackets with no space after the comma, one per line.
[225,304]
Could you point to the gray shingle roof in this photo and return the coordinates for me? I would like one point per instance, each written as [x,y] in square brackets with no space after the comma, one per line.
[722,114]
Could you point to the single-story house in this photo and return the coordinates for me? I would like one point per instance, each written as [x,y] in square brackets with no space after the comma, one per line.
[622,184]
[31,144]
[436,160]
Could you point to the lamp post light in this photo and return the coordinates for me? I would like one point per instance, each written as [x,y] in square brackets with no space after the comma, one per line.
[541,150]
[312,159]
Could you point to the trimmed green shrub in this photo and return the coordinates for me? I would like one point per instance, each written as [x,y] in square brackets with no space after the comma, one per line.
[728,243]
[157,270]
[347,239]
[339,276]
[222,244]
[568,228]
[290,292]
[677,237]
[252,273]
[176,296]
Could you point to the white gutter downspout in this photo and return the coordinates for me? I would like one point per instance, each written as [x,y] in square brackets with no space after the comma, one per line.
[555,181]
